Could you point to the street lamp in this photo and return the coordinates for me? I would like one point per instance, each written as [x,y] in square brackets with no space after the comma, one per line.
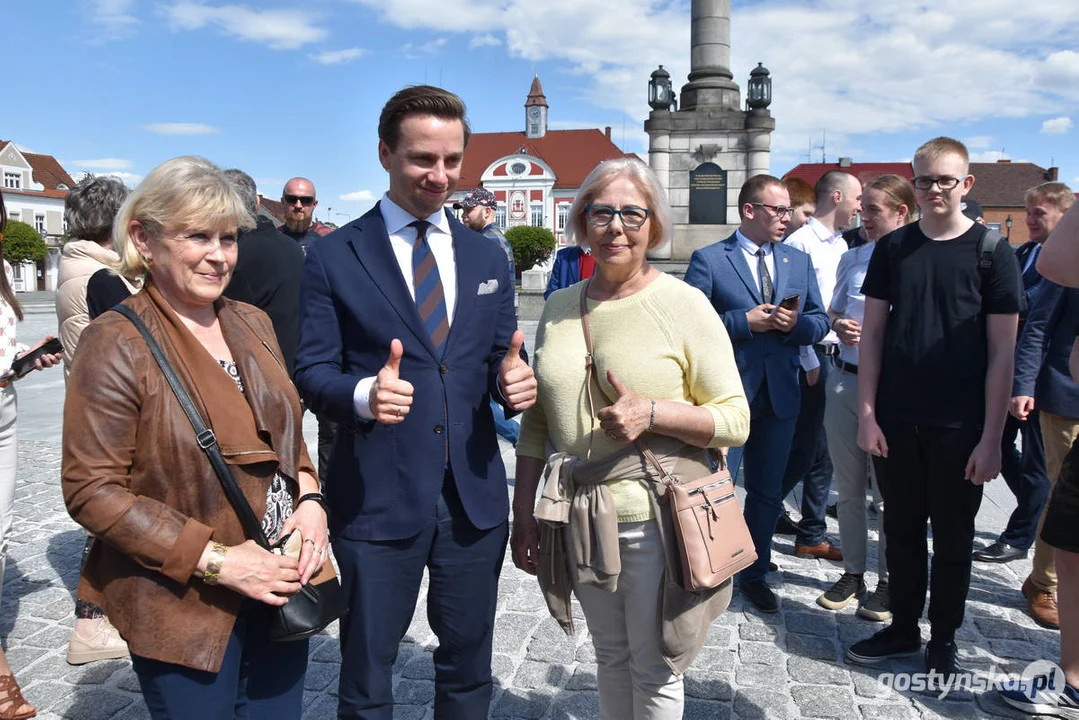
[759,89]
[659,90]
[1008,225]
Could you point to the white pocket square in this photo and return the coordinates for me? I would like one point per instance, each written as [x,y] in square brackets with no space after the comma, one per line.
[488,288]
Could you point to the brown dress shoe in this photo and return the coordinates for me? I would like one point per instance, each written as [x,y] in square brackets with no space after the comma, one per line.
[825,551]
[1042,606]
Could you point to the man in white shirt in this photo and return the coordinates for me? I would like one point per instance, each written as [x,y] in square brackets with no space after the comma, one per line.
[838,196]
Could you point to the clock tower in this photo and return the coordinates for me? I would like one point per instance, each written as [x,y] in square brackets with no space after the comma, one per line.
[536,111]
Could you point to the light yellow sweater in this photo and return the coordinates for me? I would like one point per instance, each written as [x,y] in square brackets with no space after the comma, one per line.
[665,342]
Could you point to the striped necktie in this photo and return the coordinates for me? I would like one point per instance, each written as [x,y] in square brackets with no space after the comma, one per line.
[430,296]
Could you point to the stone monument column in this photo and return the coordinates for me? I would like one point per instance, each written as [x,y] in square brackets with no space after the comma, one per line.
[710,80]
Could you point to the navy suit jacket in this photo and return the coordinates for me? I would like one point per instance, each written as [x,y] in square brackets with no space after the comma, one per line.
[1033,283]
[384,480]
[721,272]
[1041,355]
[566,270]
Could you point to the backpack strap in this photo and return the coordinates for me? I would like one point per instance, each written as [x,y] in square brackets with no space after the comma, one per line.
[987,248]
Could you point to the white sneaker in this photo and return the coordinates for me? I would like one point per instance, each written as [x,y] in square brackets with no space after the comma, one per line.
[104,644]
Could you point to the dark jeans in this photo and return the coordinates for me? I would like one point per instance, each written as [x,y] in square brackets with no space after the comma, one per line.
[258,678]
[327,430]
[922,479]
[809,462]
[1027,478]
[765,456]
[382,579]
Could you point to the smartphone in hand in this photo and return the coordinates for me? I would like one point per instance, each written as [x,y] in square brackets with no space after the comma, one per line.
[790,302]
[25,363]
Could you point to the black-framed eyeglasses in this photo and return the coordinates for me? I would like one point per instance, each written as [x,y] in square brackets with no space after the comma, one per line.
[944,183]
[632,216]
[305,200]
[781,211]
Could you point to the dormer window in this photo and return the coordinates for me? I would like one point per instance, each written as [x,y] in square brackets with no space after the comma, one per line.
[12,180]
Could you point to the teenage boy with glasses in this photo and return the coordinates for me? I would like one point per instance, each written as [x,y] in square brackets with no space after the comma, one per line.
[934,380]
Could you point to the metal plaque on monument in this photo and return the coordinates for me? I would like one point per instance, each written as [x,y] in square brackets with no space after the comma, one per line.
[708,195]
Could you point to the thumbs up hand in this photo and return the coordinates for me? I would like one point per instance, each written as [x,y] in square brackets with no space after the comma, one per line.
[391,397]
[515,377]
[630,415]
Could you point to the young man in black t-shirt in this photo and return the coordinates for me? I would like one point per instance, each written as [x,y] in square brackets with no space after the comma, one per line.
[934,382]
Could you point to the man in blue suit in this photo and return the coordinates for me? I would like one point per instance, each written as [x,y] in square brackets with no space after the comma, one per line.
[766,294]
[1025,472]
[407,329]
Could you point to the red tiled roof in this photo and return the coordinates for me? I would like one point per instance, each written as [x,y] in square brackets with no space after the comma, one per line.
[812,172]
[275,208]
[996,184]
[572,154]
[47,171]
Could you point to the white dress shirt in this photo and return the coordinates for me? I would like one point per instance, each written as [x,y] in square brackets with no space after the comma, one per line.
[402,240]
[848,300]
[750,249]
[824,248]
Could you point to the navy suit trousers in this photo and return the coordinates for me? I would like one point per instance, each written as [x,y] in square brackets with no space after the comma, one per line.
[809,462]
[765,458]
[1027,478]
[382,579]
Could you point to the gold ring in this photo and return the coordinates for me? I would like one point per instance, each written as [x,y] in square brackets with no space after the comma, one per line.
[309,541]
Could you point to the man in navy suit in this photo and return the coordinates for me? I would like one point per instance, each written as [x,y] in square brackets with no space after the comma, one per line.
[747,278]
[407,329]
[1025,472]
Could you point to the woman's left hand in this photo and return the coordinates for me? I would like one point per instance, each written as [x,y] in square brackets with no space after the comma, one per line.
[310,520]
[630,415]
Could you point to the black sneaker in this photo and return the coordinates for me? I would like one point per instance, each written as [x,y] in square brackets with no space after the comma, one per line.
[942,658]
[888,643]
[848,587]
[758,593]
[877,606]
[1034,702]
[785,525]
[832,510]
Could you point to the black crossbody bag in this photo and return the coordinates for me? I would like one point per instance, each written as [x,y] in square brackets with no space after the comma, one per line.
[321,600]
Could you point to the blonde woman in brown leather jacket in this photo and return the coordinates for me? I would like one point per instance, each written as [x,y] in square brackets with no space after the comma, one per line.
[173,570]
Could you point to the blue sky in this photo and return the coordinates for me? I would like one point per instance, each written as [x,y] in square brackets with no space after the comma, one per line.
[282,87]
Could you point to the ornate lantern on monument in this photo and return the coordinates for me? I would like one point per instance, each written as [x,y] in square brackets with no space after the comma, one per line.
[659,89]
[759,89]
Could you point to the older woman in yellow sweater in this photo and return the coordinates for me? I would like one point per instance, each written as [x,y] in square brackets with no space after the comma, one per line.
[664,360]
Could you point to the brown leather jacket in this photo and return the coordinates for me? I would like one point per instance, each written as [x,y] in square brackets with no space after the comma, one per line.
[135,478]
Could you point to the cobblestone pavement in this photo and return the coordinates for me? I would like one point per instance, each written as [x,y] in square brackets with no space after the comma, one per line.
[788,665]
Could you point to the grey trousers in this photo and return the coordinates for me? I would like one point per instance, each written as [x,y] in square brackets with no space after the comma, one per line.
[634,681]
[853,473]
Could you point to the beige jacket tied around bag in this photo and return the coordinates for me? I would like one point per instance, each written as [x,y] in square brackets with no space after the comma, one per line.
[579,540]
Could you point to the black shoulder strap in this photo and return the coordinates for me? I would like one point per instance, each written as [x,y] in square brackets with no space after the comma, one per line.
[204,436]
[987,248]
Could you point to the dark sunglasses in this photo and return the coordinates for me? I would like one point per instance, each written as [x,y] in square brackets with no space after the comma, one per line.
[306,200]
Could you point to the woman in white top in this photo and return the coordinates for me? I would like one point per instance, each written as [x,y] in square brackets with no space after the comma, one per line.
[12,704]
[887,204]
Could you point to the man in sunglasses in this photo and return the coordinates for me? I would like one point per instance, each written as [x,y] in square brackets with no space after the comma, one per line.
[838,198]
[299,200]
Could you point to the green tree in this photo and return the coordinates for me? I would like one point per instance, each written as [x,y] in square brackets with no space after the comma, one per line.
[22,243]
[530,245]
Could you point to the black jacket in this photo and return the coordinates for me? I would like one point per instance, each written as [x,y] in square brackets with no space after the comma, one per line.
[267,275]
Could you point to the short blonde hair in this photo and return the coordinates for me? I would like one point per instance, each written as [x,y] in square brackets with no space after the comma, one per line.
[1056,194]
[644,178]
[939,146]
[186,191]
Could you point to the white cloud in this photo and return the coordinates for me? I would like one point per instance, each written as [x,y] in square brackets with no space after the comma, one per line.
[129,179]
[358,196]
[180,129]
[1057,126]
[988,156]
[485,40]
[113,19]
[412,51]
[979,142]
[876,68]
[285,29]
[103,164]
[336,57]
